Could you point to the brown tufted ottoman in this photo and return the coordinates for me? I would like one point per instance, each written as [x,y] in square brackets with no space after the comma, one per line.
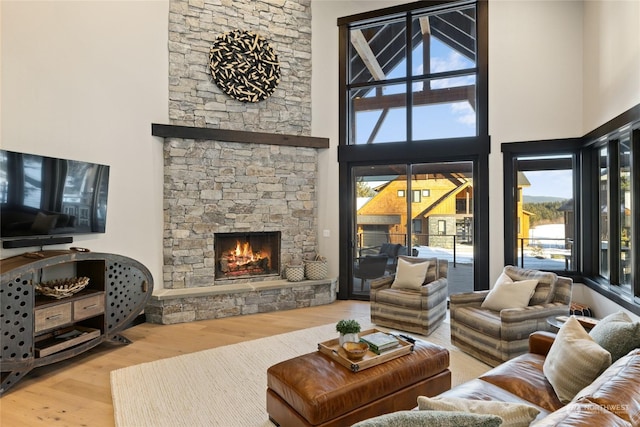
[313,390]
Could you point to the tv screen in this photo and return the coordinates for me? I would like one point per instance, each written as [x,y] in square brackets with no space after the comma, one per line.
[46,196]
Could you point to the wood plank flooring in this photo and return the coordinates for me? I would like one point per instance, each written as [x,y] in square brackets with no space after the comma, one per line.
[77,392]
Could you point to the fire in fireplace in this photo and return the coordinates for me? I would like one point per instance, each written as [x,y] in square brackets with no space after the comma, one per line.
[241,255]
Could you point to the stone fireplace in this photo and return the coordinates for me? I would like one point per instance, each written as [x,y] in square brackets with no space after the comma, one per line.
[237,167]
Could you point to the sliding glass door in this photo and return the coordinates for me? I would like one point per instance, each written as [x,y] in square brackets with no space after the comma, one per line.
[423,210]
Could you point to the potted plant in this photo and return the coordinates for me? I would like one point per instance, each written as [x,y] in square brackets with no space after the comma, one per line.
[349,330]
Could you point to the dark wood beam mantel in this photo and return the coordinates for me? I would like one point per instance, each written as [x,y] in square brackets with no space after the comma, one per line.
[190,132]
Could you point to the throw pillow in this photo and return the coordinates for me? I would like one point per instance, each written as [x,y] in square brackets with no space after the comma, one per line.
[617,334]
[509,295]
[574,360]
[512,414]
[431,418]
[43,223]
[546,282]
[410,275]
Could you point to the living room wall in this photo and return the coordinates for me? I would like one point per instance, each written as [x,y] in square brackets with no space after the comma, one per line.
[84,80]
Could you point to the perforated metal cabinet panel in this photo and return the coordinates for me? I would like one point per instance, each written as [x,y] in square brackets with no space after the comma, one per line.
[16,328]
[128,289]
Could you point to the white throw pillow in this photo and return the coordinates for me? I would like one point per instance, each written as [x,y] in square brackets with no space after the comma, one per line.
[510,294]
[410,275]
[574,360]
[512,414]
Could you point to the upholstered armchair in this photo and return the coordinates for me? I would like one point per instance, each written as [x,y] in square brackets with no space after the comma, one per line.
[495,327]
[412,299]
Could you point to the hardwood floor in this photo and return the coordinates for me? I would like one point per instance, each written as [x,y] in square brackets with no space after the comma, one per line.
[77,392]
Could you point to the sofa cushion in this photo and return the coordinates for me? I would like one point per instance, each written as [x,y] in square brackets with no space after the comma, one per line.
[410,275]
[523,376]
[546,282]
[617,389]
[431,418]
[512,414]
[574,360]
[506,294]
[617,333]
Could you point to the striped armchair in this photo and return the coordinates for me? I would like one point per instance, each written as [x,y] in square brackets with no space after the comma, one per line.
[418,311]
[497,336]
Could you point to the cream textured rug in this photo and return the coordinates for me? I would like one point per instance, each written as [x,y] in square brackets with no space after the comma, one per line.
[226,386]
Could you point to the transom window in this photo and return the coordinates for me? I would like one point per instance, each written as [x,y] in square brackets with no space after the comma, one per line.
[412,76]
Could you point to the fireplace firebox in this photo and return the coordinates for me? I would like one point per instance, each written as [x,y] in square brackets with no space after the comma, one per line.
[249,254]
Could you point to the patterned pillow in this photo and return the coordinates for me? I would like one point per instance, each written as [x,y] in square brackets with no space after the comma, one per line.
[512,414]
[431,418]
[574,360]
[617,333]
[546,282]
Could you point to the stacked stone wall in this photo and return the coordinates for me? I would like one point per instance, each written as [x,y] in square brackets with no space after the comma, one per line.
[194,98]
[218,186]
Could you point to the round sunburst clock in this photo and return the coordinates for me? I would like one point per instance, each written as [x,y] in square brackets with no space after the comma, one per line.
[244,66]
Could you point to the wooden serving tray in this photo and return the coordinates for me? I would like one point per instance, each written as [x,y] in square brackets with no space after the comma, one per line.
[333,349]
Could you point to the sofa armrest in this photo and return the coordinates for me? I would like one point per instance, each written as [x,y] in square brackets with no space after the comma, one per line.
[540,342]
[433,287]
[542,311]
[381,283]
[467,298]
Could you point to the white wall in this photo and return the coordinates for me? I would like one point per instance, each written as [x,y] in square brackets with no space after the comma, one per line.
[611,60]
[84,81]
[535,87]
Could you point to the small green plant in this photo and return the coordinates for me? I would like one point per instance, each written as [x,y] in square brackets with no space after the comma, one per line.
[348,327]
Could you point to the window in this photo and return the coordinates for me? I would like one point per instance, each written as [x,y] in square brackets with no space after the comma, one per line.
[595,176]
[616,204]
[413,104]
[442,227]
[413,76]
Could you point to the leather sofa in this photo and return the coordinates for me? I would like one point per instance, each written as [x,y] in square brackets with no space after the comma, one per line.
[612,399]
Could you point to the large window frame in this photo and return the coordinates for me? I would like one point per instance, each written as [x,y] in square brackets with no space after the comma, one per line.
[475,149]
[588,171]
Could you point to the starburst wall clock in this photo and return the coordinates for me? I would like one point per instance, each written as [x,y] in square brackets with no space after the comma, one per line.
[244,66]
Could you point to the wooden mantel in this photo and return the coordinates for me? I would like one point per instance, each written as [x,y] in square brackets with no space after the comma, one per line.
[190,132]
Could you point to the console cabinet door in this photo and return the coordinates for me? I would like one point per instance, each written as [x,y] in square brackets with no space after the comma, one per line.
[17,296]
[128,289]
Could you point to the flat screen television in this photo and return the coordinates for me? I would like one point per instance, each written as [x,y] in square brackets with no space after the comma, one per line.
[46,196]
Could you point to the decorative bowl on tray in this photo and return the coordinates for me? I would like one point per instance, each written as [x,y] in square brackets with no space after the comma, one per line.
[62,288]
[355,350]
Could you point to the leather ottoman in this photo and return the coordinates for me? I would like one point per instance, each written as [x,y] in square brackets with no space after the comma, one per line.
[314,390]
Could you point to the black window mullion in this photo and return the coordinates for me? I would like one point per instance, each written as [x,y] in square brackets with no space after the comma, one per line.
[408,55]
[613,181]
[635,197]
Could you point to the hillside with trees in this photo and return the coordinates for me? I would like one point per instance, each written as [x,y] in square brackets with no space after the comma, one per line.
[545,213]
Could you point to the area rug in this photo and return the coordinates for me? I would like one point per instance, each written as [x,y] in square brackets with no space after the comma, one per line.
[226,386]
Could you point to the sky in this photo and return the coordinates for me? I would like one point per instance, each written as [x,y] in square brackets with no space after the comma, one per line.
[549,183]
[430,121]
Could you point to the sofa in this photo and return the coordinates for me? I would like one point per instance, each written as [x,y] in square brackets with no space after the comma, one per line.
[527,383]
